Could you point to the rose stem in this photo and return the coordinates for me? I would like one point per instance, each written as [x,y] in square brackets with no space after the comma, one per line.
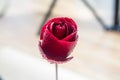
[56,71]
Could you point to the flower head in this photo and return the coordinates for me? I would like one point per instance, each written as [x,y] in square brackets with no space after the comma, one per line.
[58,37]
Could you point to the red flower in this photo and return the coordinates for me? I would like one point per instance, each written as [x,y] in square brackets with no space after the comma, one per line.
[57,39]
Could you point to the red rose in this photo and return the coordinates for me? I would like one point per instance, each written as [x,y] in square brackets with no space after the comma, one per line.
[58,37]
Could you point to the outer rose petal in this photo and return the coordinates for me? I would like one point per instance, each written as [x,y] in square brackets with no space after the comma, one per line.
[72,37]
[55,49]
[69,20]
[44,28]
[50,59]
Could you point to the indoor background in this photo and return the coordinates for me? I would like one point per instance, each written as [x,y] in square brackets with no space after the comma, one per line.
[96,56]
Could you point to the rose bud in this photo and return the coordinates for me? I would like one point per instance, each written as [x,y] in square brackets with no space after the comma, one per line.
[58,37]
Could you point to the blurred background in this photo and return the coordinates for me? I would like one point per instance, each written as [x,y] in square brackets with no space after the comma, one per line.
[96,56]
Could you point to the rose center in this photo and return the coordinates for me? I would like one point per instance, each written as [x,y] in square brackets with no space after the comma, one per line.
[59,31]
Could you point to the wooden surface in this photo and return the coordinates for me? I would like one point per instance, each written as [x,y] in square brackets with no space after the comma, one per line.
[96,56]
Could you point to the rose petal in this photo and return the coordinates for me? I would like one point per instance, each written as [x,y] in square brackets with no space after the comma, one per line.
[59,31]
[72,37]
[69,28]
[51,59]
[68,45]
[71,21]
[51,45]
[44,28]
[50,27]
[56,48]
